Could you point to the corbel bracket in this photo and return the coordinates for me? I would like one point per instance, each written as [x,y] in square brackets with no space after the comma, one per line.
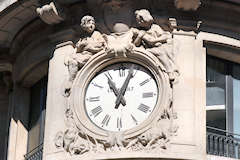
[52,13]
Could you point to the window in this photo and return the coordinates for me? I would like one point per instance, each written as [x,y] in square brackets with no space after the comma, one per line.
[223,94]
[37,118]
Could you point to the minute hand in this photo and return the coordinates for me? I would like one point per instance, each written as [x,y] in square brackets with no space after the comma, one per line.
[124,87]
[115,91]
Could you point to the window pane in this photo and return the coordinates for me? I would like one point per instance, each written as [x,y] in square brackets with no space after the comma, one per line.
[236,99]
[216,93]
[37,114]
[216,82]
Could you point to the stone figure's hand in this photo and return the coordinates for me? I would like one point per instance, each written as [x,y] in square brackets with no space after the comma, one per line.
[139,37]
[80,44]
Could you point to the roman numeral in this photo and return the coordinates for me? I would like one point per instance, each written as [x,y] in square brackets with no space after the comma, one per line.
[144,108]
[144,82]
[106,120]
[119,123]
[134,119]
[96,111]
[122,72]
[109,75]
[94,99]
[147,95]
[96,85]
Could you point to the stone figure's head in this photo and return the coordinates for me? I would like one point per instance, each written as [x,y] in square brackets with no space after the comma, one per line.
[144,18]
[88,24]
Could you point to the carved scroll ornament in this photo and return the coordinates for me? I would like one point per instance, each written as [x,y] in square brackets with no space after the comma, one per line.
[150,39]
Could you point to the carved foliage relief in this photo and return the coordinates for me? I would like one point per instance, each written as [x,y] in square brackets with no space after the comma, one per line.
[148,38]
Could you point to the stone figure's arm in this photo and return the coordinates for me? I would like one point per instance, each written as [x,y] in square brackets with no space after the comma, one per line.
[97,44]
[94,48]
[80,45]
[99,37]
[138,35]
[154,41]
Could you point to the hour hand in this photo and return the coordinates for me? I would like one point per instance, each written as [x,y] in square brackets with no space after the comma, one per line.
[124,87]
[115,90]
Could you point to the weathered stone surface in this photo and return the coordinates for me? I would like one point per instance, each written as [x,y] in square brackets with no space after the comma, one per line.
[56,103]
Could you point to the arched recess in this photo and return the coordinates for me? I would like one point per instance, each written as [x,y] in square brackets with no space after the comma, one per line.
[32,49]
[32,58]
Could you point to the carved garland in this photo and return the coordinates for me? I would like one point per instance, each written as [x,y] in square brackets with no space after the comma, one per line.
[151,41]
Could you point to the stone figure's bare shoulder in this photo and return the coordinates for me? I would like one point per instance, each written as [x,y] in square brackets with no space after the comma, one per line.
[156,29]
[97,36]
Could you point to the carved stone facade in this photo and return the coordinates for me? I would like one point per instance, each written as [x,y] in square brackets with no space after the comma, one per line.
[73,41]
[148,39]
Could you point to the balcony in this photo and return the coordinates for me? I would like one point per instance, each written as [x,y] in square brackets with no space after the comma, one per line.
[222,143]
[35,154]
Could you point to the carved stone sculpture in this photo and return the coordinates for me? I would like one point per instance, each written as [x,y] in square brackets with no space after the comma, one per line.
[51,13]
[92,43]
[155,40]
[149,39]
[72,140]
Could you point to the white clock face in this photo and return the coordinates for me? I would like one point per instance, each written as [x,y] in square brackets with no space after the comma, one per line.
[121,96]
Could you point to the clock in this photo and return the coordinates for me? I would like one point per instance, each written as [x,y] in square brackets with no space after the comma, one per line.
[125,95]
[121,96]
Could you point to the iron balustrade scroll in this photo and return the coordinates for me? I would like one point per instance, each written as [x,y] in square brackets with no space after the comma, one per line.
[35,154]
[222,143]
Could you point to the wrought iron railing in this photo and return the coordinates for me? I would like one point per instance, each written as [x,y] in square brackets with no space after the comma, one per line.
[35,154]
[222,143]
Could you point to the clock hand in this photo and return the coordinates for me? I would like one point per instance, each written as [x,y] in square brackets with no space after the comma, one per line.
[124,87]
[115,90]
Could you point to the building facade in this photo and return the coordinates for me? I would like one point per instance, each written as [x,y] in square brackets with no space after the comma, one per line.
[119,79]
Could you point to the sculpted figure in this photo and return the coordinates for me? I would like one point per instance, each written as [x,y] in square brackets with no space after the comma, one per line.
[91,43]
[155,40]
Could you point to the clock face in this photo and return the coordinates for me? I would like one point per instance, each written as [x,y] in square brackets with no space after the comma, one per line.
[121,96]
